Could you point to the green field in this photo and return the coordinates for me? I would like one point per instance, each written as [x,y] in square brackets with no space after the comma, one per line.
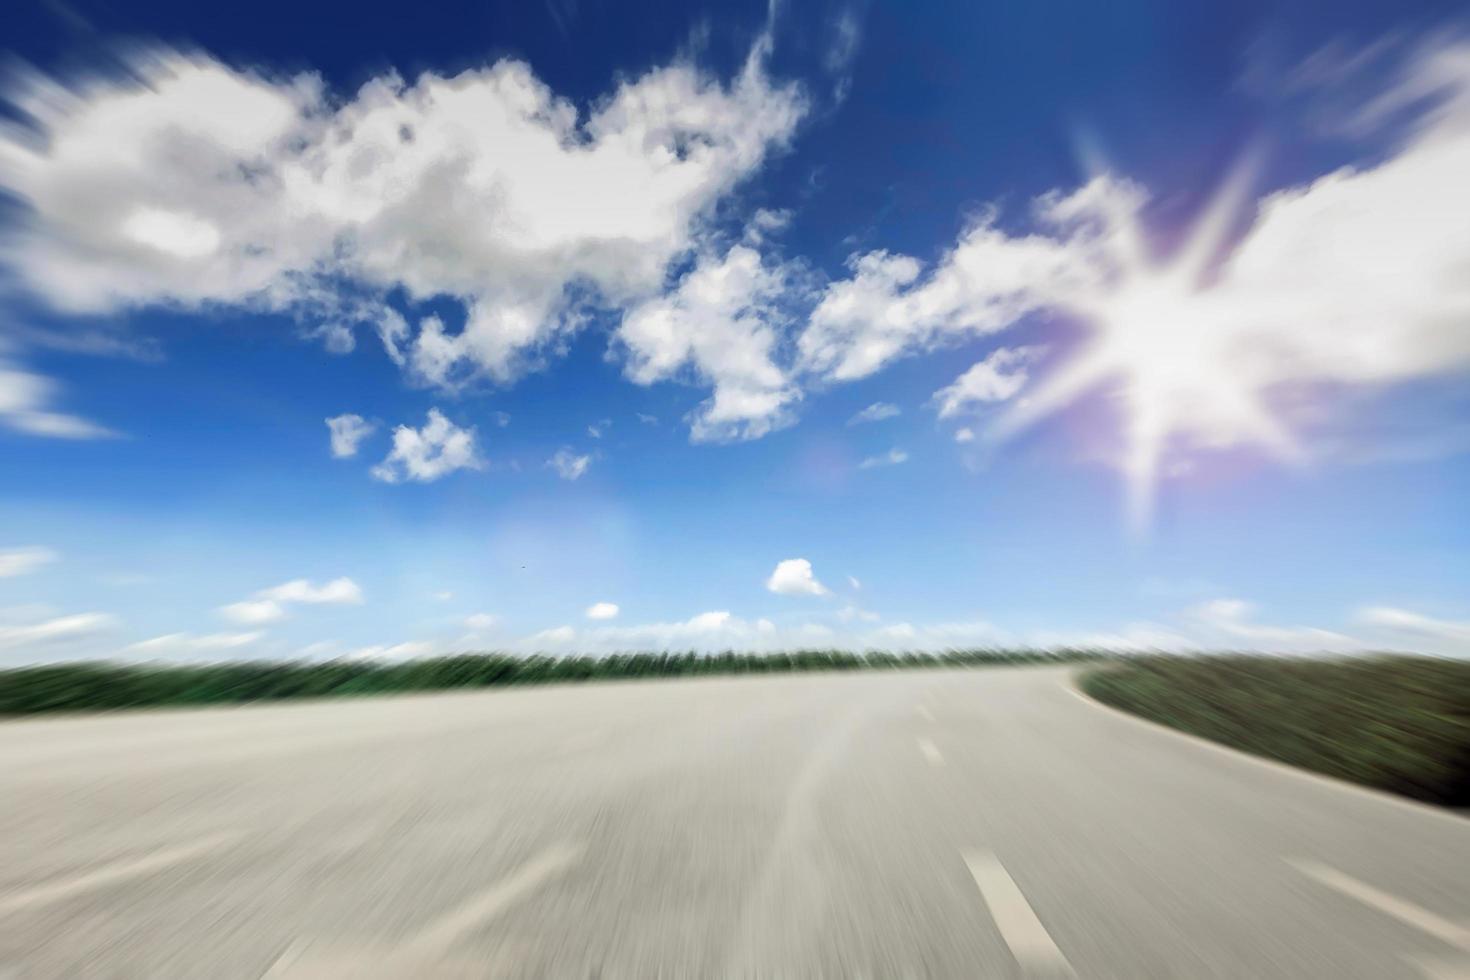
[109,686]
[1396,723]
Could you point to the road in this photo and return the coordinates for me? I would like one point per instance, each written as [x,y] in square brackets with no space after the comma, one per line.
[983,823]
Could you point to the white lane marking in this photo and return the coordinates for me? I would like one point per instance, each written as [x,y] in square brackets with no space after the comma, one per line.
[931,752]
[1442,969]
[495,899]
[1023,932]
[59,891]
[925,713]
[424,953]
[1402,909]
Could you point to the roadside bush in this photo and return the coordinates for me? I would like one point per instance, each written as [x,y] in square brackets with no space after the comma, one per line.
[1396,723]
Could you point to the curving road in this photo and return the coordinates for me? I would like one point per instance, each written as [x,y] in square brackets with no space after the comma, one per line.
[986,823]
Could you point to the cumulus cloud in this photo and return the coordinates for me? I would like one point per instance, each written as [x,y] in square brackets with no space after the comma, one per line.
[269,605]
[602,610]
[569,465]
[891,458]
[479,622]
[793,576]
[721,325]
[428,453]
[188,182]
[964,434]
[876,412]
[888,307]
[347,433]
[23,561]
[338,591]
[995,379]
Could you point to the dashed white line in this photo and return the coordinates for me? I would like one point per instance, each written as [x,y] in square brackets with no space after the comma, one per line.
[1442,969]
[931,752]
[495,899]
[109,874]
[428,952]
[1023,932]
[1399,908]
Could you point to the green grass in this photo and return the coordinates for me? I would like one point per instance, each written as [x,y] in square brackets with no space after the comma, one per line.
[104,686]
[1395,723]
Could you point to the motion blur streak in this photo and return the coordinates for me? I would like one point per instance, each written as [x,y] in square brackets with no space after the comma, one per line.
[772,827]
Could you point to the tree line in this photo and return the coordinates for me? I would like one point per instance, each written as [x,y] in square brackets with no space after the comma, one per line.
[101,686]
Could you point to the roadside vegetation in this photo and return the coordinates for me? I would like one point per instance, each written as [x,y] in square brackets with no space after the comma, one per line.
[103,686]
[1395,723]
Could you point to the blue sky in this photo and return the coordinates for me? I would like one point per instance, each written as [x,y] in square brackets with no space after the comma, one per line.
[718,326]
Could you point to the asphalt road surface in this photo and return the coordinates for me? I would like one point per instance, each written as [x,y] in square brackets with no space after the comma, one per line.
[984,823]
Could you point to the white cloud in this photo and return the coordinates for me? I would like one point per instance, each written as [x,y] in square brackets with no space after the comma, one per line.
[722,323]
[50,632]
[602,610]
[479,622]
[647,419]
[1431,634]
[965,434]
[845,35]
[1227,622]
[856,585]
[25,406]
[184,182]
[850,614]
[599,428]
[995,379]
[876,412]
[501,419]
[793,576]
[891,458]
[190,644]
[408,650]
[23,561]
[884,310]
[1138,637]
[426,454]
[347,433]
[253,611]
[337,592]
[554,637]
[1356,278]
[268,605]
[568,465]
[717,629]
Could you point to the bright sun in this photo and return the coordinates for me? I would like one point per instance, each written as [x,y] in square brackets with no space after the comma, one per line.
[1170,352]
